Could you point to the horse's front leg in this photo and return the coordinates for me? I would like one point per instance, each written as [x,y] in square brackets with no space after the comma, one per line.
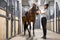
[29,30]
[32,26]
[33,30]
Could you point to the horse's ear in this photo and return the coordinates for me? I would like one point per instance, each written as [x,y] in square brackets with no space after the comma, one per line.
[34,4]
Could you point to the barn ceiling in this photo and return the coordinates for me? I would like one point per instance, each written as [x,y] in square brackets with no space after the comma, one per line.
[25,2]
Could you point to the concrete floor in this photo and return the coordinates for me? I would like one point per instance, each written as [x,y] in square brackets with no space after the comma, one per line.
[38,35]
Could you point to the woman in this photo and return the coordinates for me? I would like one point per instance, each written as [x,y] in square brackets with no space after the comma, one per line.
[44,20]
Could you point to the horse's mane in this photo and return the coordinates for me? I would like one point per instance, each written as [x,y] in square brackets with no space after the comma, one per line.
[33,8]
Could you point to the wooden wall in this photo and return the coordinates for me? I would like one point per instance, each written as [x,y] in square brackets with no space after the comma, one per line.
[2,28]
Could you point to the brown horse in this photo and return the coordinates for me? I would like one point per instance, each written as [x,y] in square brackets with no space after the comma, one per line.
[32,15]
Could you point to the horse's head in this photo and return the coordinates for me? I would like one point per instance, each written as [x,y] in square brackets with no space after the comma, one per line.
[35,7]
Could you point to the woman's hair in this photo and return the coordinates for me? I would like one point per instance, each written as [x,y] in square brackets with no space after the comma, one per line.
[47,5]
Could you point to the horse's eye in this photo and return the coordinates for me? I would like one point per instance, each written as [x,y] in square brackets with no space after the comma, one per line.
[36,8]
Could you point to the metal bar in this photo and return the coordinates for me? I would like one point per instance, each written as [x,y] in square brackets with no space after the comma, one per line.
[10,4]
[2,16]
[14,20]
[11,24]
[18,18]
[6,24]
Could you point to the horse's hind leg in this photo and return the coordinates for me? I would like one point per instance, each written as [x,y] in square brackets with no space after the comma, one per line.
[25,27]
[24,30]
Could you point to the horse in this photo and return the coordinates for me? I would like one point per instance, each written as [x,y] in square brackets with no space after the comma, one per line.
[32,15]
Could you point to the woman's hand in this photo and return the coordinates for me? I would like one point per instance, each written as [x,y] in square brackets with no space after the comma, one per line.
[38,11]
[42,12]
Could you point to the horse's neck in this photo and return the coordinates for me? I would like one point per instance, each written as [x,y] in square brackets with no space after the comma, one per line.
[32,11]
